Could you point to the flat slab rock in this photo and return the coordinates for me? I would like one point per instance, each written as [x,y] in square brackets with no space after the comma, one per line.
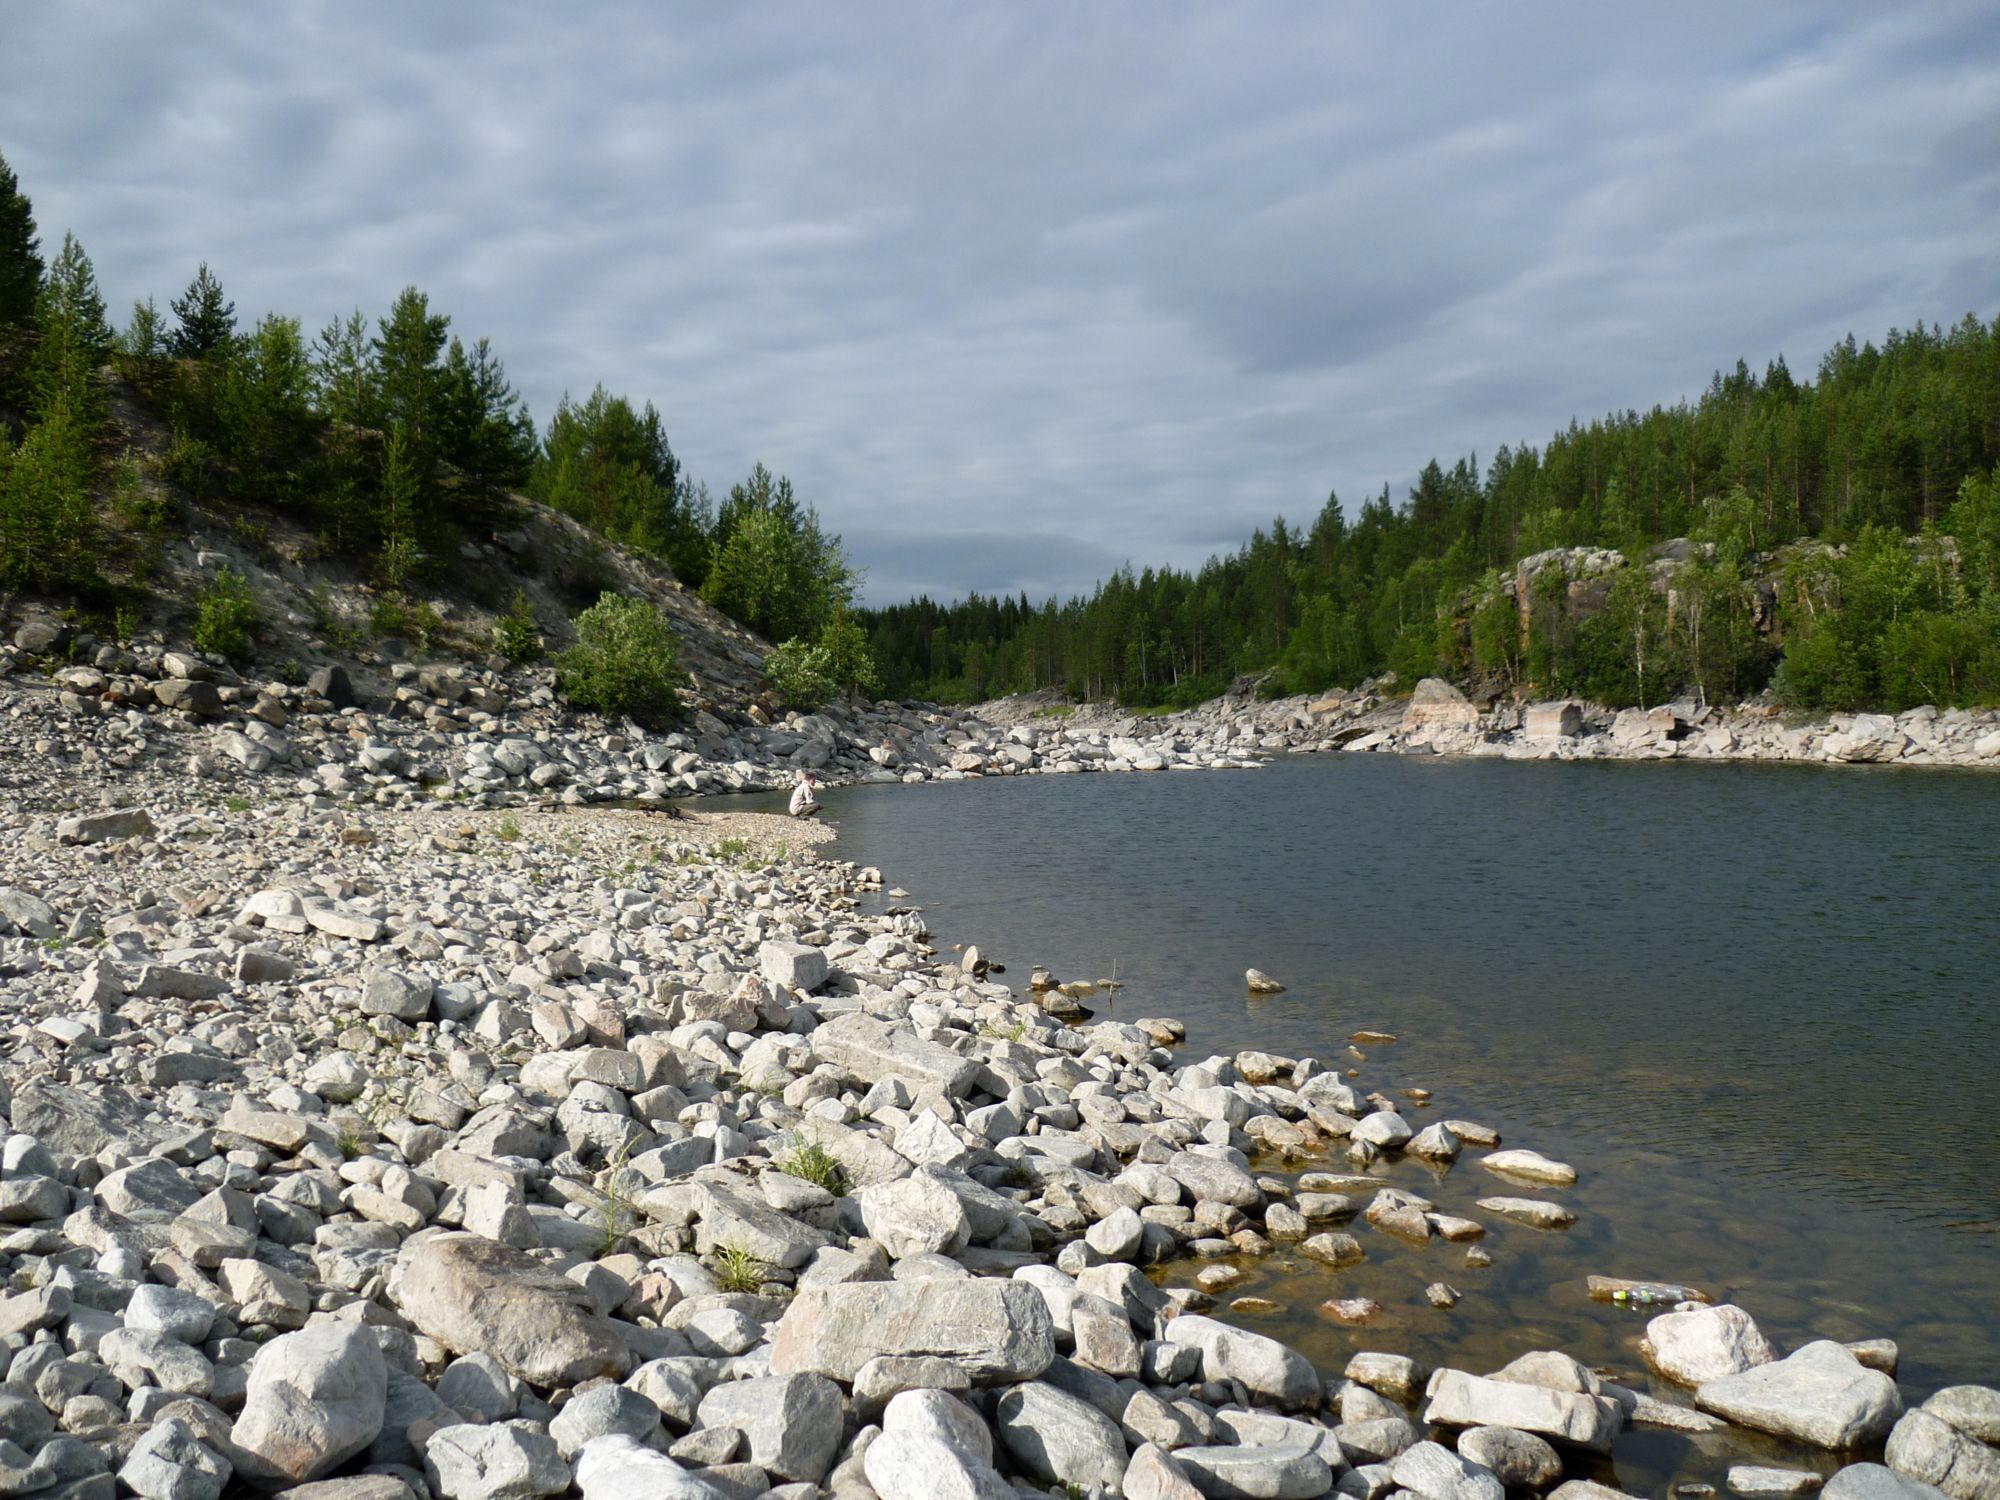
[1000,1331]
[1574,1418]
[1821,1395]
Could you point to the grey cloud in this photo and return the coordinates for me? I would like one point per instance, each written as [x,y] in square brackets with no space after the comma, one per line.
[1019,293]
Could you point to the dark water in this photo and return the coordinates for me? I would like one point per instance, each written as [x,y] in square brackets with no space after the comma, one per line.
[1755,1006]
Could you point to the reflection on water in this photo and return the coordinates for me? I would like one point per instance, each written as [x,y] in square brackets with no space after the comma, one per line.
[1753,1005]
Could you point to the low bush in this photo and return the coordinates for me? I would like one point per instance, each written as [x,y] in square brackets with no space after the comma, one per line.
[225,620]
[516,634]
[801,674]
[625,661]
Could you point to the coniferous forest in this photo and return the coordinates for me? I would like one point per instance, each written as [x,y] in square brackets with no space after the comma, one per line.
[1840,540]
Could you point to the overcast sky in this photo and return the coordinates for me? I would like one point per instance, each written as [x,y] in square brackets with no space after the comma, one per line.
[1018,292]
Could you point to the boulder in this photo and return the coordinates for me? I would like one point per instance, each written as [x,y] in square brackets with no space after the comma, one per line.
[796,966]
[1434,1472]
[172,1463]
[1874,1482]
[1519,1460]
[504,1461]
[1573,1418]
[1705,1343]
[791,1423]
[476,1296]
[332,684]
[1928,1448]
[999,1331]
[1553,721]
[918,1466]
[1821,1395]
[1058,1438]
[1266,1367]
[1973,1409]
[104,827]
[314,1399]
[1245,1472]
[916,1215]
[871,1051]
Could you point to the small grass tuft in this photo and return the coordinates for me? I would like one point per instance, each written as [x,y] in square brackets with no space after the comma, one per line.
[737,1270]
[509,828]
[809,1161]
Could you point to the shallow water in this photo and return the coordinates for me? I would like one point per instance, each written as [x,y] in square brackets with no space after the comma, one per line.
[1753,1005]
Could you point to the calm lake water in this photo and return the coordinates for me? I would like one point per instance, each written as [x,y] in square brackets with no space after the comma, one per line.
[1754,1005]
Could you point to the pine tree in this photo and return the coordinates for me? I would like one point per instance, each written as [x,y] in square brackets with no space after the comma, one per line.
[409,376]
[69,314]
[398,512]
[144,337]
[343,361]
[20,252]
[207,320]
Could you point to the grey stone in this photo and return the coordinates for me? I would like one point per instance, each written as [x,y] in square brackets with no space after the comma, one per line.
[867,1049]
[1574,1418]
[735,1217]
[475,1296]
[1057,1438]
[1874,1482]
[29,915]
[1930,1449]
[171,1463]
[1265,1367]
[168,1310]
[918,1466]
[941,1415]
[1256,1473]
[1155,1474]
[398,993]
[792,1423]
[1705,1343]
[103,827]
[506,1461]
[1519,1460]
[1973,1409]
[315,1398]
[614,1467]
[602,1409]
[999,1331]
[1758,1480]
[1821,1395]
[916,1215]
[1436,1473]
[796,966]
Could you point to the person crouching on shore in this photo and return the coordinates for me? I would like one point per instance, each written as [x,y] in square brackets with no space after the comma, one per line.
[804,803]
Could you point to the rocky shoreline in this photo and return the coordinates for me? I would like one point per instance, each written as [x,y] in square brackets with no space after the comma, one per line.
[385,1121]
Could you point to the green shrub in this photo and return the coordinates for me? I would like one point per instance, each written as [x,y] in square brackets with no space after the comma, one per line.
[625,661]
[516,635]
[225,620]
[393,615]
[801,674]
[45,516]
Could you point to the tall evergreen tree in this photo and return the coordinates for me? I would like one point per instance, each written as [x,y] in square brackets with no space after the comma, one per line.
[206,319]
[488,435]
[20,252]
[409,374]
[74,338]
